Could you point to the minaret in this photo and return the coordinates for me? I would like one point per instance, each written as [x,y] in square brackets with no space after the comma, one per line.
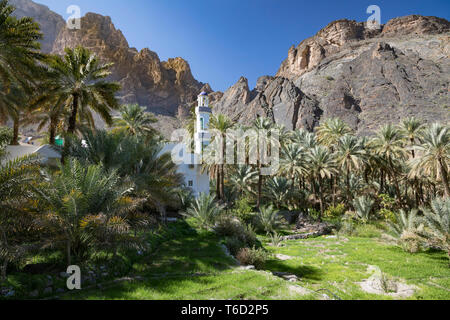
[203,113]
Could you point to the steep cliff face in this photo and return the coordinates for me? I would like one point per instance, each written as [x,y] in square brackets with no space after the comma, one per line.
[161,86]
[50,22]
[367,77]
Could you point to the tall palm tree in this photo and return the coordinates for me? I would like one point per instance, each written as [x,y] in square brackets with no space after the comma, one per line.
[411,129]
[322,164]
[292,162]
[331,130]
[351,156]
[434,159]
[78,81]
[19,52]
[388,146]
[134,120]
[221,124]
[262,127]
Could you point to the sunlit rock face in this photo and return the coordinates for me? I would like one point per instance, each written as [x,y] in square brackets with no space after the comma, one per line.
[164,87]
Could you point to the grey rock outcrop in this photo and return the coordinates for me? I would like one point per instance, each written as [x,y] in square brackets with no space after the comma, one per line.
[367,77]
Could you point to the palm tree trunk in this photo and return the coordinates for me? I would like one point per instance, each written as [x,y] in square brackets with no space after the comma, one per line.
[3,273]
[222,182]
[15,139]
[68,255]
[320,199]
[258,204]
[444,178]
[52,133]
[218,183]
[5,262]
[73,115]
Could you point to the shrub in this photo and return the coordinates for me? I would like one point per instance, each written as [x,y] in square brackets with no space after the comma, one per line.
[406,230]
[268,219]
[363,206]
[243,210]
[275,240]
[438,221]
[254,257]
[233,229]
[387,215]
[234,245]
[334,212]
[204,210]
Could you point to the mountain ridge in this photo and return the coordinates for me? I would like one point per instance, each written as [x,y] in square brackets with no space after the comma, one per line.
[365,76]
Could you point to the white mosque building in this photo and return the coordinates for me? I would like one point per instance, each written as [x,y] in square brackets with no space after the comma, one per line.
[189,164]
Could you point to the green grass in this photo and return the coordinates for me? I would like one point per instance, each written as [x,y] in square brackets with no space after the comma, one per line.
[337,264]
[188,263]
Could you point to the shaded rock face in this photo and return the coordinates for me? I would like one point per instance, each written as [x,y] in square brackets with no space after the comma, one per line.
[367,77]
[161,86]
[50,22]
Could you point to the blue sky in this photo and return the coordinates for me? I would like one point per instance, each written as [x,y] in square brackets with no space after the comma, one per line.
[225,39]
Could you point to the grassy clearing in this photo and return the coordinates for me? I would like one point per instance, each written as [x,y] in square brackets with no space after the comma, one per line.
[337,264]
[191,265]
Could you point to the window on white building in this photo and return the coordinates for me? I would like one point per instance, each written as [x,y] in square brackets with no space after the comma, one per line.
[202,124]
[191,183]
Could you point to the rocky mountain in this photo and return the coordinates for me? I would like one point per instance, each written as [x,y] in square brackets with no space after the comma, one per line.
[164,87]
[365,76]
[51,23]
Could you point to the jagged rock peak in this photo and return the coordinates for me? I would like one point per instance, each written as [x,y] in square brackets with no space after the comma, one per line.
[50,22]
[339,34]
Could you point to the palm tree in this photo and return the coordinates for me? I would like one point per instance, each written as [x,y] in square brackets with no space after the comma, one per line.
[261,127]
[292,162]
[407,229]
[243,178]
[77,80]
[351,156]
[205,210]
[221,124]
[363,206]
[19,48]
[278,190]
[83,203]
[268,219]
[388,146]
[331,130]
[434,159]
[321,165]
[19,52]
[134,120]
[16,178]
[438,221]
[411,129]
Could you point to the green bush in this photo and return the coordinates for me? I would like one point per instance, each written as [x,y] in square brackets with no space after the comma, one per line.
[243,210]
[237,235]
[254,257]
[334,212]
[234,245]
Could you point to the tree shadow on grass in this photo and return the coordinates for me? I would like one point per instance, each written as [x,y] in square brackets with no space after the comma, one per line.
[185,250]
[305,272]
